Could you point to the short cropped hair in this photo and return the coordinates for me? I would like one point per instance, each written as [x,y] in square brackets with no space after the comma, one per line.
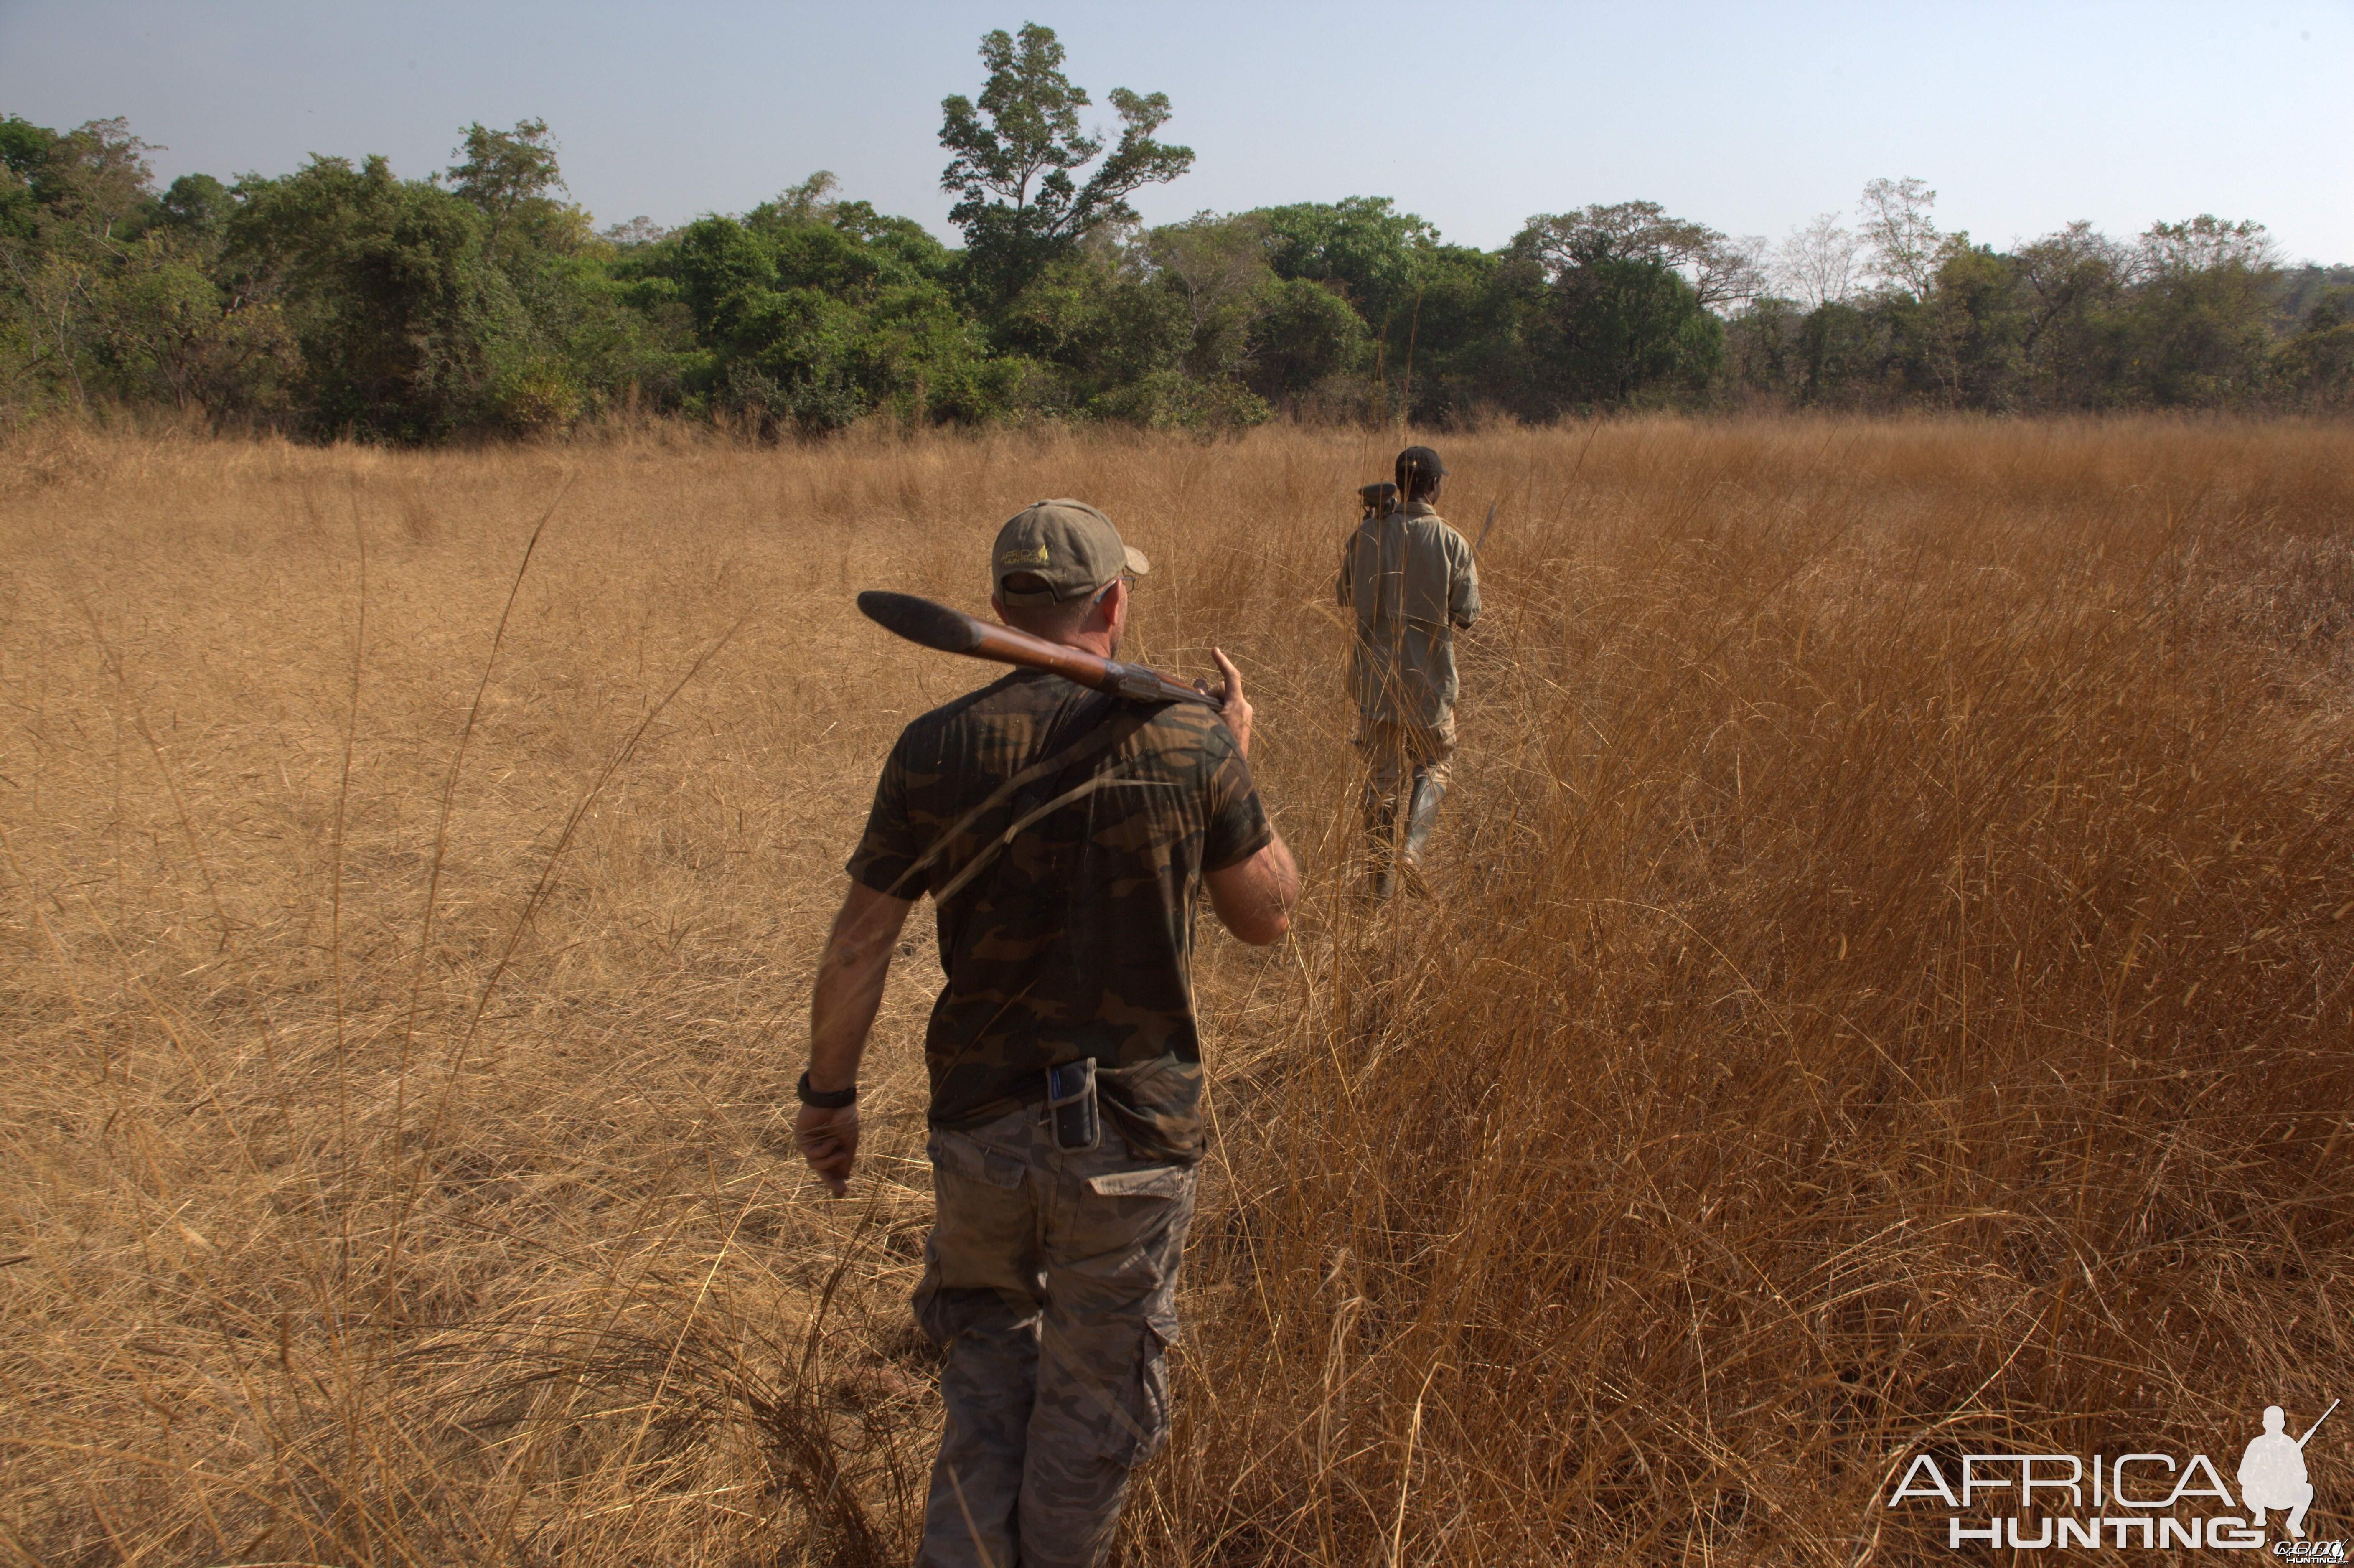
[1048,621]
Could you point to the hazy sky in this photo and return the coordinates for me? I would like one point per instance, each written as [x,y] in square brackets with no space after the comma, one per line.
[1475,114]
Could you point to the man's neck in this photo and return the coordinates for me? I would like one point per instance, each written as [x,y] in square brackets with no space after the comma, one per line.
[1102,643]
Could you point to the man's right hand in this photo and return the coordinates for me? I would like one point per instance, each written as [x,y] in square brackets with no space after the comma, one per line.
[829,1142]
[841,1009]
[1233,707]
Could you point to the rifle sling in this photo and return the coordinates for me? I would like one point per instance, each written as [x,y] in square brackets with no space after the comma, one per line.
[1096,735]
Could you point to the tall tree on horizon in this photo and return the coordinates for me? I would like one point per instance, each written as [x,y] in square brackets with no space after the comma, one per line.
[504,169]
[1907,248]
[1722,270]
[1016,151]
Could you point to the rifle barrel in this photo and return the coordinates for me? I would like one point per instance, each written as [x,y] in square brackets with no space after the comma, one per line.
[935,626]
[2316,1424]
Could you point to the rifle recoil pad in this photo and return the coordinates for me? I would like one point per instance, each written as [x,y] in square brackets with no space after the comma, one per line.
[921,621]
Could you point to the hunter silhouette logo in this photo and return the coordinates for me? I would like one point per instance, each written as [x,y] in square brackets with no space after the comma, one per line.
[2271,1472]
[2148,1501]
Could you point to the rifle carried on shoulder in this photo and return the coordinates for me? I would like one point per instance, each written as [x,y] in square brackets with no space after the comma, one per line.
[935,626]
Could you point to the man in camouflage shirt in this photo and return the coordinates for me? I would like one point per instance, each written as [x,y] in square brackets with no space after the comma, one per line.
[1412,581]
[1062,834]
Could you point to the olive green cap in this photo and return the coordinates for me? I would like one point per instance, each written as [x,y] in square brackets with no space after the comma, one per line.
[1069,544]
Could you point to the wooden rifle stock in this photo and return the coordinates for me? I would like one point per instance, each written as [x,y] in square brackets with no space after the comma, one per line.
[949,630]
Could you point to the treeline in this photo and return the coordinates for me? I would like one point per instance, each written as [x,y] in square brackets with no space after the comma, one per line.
[342,299]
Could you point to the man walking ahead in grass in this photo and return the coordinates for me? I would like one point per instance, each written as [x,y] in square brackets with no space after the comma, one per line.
[1061,832]
[1412,581]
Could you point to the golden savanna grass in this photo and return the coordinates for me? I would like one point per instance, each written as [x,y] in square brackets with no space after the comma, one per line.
[1883,986]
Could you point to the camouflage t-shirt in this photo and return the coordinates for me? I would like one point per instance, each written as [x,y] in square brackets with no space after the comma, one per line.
[1062,834]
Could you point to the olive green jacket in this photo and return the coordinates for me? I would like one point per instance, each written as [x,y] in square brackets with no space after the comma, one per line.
[1412,580]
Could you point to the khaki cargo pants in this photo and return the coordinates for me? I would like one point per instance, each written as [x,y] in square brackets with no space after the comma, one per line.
[1050,1278]
[1394,752]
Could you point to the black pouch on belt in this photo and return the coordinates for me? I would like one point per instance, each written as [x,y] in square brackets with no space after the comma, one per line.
[1071,1103]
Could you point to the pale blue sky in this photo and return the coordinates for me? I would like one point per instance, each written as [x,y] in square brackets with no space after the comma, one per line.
[1749,118]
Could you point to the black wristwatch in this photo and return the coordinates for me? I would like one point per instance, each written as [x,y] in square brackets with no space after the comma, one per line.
[825,1099]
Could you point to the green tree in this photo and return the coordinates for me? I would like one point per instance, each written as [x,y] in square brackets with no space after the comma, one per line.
[23,156]
[2316,365]
[1446,323]
[1843,355]
[400,317]
[1307,347]
[1366,250]
[1934,295]
[1721,270]
[1216,267]
[722,269]
[1470,346]
[68,233]
[810,202]
[1626,328]
[813,312]
[1975,325]
[2072,282]
[165,330]
[1628,292]
[107,288]
[1016,153]
[196,207]
[2199,328]
[92,179]
[1761,359]
[1905,246]
[1105,333]
[2299,289]
[504,170]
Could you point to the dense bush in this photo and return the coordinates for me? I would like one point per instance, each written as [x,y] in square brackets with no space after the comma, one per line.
[342,299]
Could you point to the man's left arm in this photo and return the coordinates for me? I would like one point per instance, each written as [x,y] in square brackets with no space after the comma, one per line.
[1463,590]
[843,1005]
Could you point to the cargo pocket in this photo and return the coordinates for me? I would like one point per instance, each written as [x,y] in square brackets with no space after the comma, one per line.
[936,1314]
[1157,1106]
[1135,1430]
[976,1202]
[1152,1181]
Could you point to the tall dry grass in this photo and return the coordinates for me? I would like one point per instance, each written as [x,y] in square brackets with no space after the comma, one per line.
[1883,985]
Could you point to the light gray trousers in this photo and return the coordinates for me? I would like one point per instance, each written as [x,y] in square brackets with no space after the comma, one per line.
[1050,1278]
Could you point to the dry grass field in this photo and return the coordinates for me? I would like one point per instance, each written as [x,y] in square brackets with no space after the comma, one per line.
[1885,985]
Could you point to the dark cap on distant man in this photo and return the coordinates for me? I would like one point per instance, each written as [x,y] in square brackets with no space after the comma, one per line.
[1418,466]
